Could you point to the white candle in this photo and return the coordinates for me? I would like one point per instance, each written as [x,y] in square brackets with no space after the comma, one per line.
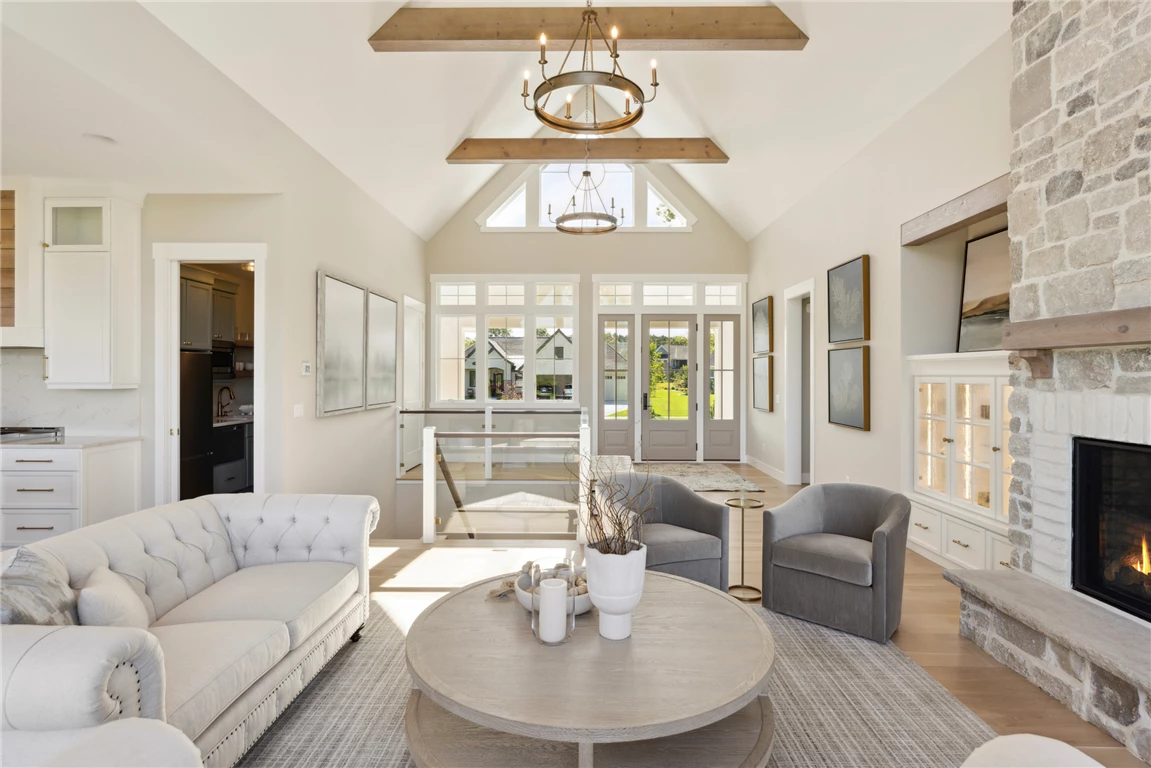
[553,610]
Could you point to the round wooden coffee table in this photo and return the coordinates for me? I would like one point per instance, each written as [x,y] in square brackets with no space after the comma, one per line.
[684,690]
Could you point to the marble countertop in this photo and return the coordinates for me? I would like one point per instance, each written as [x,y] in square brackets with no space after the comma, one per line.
[68,441]
[228,421]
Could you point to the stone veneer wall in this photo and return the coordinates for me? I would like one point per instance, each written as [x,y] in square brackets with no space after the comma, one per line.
[1093,693]
[1080,225]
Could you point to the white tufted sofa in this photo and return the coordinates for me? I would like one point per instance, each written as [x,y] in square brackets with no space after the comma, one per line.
[248,597]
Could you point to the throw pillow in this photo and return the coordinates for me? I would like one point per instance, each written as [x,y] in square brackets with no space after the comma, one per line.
[107,600]
[31,592]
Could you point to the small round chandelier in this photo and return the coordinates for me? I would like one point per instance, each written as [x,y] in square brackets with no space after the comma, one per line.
[587,122]
[586,213]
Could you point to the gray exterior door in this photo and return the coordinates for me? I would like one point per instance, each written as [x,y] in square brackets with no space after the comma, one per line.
[616,417]
[668,409]
[721,415]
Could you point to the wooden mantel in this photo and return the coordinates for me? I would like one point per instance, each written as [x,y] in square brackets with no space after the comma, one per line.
[1034,340]
[978,204]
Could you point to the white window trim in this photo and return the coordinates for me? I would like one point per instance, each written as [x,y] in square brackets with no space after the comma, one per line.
[530,178]
[529,311]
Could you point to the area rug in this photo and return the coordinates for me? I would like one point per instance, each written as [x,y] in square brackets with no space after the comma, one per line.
[840,702]
[699,477]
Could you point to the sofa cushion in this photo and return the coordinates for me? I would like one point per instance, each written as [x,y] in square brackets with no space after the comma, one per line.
[843,558]
[208,665]
[107,600]
[301,595]
[32,592]
[672,544]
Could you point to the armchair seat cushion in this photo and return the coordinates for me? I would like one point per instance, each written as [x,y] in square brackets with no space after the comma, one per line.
[671,544]
[843,558]
[208,666]
[301,595]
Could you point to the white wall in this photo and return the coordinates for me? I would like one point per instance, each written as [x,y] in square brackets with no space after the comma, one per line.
[955,140]
[711,247]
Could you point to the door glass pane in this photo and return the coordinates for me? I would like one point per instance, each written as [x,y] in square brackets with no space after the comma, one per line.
[505,358]
[669,379]
[973,444]
[933,473]
[973,485]
[457,364]
[721,361]
[933,400]
[554,351]
[931,434]
[973,402]
[615,367]
[78,225]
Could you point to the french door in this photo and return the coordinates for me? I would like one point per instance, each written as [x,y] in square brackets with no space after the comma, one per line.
[616,418]
[721,410]
[668,399]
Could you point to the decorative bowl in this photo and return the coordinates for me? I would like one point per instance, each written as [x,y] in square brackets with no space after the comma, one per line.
[523,584]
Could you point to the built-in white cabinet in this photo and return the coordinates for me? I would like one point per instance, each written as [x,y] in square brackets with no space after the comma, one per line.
[960,465]
[91,293]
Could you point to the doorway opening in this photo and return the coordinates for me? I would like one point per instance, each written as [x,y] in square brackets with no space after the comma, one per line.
[210,379]
[799,378]
[668,416]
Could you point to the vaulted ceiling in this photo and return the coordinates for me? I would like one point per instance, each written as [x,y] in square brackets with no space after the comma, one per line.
[787,119]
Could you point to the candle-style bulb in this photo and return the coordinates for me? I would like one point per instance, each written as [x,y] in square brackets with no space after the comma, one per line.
[614,33]
[653,64]
[527,75]
[543,39]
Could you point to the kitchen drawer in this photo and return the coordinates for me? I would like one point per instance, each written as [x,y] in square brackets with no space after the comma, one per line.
[27,527]
[39,490]
[924,527]
[1000,549]
[963,543]
[39,460]
[230,478]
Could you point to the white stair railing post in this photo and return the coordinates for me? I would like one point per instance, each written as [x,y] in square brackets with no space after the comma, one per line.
[584,477]
[429,487]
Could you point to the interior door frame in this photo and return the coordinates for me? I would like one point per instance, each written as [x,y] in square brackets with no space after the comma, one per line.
[166,427]
[737,395]
[421,308]
[793,382]
[600,377]
[693,410]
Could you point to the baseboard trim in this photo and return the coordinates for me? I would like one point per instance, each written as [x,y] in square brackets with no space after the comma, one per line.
[765,468]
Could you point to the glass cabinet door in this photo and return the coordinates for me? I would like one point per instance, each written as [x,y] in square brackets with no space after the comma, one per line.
[1005,459]
[972,457]
[931,436]
[77,224]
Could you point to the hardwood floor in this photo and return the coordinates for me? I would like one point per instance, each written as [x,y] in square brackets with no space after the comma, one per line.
[409,576]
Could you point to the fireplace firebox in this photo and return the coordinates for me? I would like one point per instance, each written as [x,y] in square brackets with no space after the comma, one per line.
[1111,524]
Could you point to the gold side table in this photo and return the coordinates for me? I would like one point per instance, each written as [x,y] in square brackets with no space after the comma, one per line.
[742,591]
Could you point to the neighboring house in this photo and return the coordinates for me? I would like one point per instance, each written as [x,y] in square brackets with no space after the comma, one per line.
[615,380]
[505,365]
[674,356]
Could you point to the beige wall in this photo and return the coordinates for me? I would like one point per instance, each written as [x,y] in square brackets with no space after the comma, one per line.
[711,247]
[955,140]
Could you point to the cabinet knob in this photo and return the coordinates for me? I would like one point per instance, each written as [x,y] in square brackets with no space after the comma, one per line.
[948,440]
[995,448]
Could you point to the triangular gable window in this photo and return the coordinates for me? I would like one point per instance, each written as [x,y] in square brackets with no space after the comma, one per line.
[661,213]
[513,213]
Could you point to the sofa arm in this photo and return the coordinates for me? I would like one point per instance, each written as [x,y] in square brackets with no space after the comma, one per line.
[888,557]
[57,678]
[295,528]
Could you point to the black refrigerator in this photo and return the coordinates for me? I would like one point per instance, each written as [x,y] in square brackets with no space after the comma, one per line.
[195,424]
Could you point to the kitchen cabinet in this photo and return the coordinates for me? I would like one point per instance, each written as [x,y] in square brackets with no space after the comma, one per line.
[223,312]
[250,454]
[91,293]
[195,315]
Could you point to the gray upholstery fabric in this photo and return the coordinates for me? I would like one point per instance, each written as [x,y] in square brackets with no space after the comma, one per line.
[31,592]
[827,554]
[878,518]
[673,505]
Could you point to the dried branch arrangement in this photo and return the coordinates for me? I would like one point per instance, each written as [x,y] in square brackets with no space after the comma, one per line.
[616,510]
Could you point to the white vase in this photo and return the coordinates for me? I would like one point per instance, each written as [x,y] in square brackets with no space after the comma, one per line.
[615,585]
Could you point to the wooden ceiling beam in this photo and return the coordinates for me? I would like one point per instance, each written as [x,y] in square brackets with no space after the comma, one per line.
[685,28]
[602,150]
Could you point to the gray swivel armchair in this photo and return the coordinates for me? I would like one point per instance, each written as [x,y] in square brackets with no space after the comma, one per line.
[686,535]
[834,554]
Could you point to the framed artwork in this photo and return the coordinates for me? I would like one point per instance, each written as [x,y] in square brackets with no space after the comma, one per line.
[763,383]
[849,387]
[986,299]
[341,309]
[381,360]
[849,301]
[762,326]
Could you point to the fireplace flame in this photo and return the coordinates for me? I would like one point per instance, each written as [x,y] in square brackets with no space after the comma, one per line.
[1146,569]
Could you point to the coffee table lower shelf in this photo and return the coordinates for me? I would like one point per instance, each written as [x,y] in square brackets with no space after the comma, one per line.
[439,739]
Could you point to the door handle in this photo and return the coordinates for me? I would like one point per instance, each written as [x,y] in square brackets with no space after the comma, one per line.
[645,401]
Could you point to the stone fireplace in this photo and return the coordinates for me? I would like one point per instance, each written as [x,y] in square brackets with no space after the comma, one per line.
[1111,522]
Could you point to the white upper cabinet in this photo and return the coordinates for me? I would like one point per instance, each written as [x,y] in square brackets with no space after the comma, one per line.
[91,293]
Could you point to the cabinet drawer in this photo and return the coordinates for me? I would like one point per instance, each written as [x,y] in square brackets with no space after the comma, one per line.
[26,527]
[1000,550]
[39,460]
[40,490]
[963,543]
[924,527]
[230,478]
